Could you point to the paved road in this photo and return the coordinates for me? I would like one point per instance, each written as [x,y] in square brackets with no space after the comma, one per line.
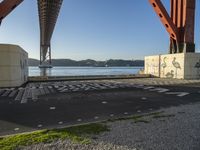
[57,104]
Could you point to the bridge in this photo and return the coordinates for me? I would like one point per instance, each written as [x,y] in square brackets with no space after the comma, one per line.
[179,24]
[48,11]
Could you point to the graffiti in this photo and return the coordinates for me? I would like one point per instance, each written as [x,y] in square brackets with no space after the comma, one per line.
[170,74]
[176,65]
[197,65]
[164,65]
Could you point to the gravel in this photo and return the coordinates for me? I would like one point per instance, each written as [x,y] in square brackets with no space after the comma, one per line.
[178,129]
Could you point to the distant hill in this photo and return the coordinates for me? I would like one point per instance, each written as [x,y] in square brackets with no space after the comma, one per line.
[90,62]
[33,62]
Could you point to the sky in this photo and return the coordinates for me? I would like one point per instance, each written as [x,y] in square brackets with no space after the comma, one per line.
[94,29]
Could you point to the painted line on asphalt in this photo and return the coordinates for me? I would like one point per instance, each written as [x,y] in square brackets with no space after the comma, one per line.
[144,98]
[179,94]
[159,90]
[16,129]
[39,126]
[96,117]
[79,120]
[52,108]
[60,122]
[125,113]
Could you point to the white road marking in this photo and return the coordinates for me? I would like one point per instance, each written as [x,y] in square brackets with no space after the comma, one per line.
[19,95]
[143,98]
[179,94]
[150,109]
[24,97]
[104,102]
[60,122]
[96,117]
[56,86]
[148,87]
[111,115]
[52,108]
[62,88]
[16,129]
[12,93]
[6,93]
[160,90]
[139,111]
[126,113]
[39,126]
[79,120]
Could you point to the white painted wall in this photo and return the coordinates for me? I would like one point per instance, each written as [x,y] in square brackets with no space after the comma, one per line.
[13,65]
[178,66]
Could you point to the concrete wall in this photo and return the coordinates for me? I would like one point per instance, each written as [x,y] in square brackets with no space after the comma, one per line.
[179,66]
[13,65]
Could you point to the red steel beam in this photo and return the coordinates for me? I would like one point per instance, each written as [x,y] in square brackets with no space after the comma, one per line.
[165,19]
[7,6]
[182,14]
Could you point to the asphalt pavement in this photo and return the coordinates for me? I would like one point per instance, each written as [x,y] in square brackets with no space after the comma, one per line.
[59,104]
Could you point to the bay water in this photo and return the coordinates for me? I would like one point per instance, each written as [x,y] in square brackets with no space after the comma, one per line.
[83,71]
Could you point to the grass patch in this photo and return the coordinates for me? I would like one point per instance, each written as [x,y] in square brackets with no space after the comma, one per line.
[155,113]
[80,134]
[163,116]
[125,118]
[141,118]
[136,118]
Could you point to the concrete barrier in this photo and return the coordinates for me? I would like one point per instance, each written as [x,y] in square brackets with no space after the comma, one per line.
[177,66]
[13,66]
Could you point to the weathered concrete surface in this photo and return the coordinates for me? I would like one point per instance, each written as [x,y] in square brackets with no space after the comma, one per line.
[13,65]
[177,66]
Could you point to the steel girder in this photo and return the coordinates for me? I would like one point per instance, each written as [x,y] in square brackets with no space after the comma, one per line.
[7,6]
[48,14]
[180,25]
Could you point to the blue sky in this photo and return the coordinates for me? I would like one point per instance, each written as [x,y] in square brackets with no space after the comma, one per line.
[95,29]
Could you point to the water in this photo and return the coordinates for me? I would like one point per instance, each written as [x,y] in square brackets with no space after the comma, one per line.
[84,71]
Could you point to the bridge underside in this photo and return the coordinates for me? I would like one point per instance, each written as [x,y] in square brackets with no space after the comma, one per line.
[48,14]
[7,6]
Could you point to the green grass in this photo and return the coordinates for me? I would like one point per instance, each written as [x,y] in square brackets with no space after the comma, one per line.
[141,118]
[80,134]
[155,113]
[163,116]
[135,117]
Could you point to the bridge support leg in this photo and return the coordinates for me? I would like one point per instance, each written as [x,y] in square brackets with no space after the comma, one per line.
[183,17]
[182,62]
[180,25]
[45,56]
